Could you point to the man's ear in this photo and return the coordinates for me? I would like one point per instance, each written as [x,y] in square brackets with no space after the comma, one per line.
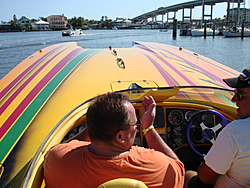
[120,136]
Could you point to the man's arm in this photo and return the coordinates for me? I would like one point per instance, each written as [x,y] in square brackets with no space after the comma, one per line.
[206,174]
[206,177]
[156,142]
[153,138]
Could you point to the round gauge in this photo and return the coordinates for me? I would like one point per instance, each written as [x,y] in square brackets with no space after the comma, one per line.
[175,117]
[188,115]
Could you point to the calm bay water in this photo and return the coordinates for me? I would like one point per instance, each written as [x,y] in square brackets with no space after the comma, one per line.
[15,47]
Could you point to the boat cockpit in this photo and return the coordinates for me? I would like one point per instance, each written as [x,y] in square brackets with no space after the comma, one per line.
[184,124]
[180,110]
[188,119]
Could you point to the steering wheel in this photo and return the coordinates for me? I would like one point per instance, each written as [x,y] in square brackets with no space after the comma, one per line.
[207,133]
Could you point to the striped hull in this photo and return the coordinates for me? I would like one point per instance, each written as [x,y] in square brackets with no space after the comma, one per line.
[48,84]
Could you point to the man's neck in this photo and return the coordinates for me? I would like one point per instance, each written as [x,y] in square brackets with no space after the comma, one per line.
[106,149]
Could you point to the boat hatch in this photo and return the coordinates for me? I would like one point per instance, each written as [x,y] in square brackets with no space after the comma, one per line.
[134,86]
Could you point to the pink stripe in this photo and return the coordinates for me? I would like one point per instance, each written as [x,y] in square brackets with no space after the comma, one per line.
[204,71]
[16,93]
[12,118]
[176,70]
[8,87]
[205,97]
[168,79]
[181,95]
[183,77]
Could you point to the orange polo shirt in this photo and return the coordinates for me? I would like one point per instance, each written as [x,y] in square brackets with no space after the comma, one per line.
[73,165]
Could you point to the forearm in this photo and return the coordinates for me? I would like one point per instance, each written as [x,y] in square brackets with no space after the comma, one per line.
[206,174]
[156,142]
[153,138]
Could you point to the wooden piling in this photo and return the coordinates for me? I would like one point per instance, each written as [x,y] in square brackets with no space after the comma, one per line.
[205,28]
[174,28]
[242,29]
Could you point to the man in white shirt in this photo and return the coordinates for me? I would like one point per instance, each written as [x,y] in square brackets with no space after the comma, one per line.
[227,164]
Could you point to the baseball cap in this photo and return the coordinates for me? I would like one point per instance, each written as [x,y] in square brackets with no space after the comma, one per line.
[242,81]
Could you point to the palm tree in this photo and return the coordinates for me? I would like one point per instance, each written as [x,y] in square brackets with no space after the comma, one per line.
[42,18]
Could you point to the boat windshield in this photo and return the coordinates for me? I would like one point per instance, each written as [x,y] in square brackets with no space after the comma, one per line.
[197,94]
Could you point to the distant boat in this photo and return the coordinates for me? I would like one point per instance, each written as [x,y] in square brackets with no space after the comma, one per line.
[185,32]
[236,32]
[72,32]
[163,30]
[200,32]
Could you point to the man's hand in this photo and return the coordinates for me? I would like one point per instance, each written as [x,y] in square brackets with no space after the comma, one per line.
[148,107]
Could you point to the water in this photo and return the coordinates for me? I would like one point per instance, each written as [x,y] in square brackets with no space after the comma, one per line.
[15,47]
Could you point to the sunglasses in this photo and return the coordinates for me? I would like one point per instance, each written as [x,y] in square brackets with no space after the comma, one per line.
[239,95]
[138,123]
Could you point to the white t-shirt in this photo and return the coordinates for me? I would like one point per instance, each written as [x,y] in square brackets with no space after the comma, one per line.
[230,155]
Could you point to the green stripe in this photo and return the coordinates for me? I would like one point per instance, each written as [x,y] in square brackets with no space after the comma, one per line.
[226,100]
[24,120]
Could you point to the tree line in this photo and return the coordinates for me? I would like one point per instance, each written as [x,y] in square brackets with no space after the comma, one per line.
[80,22]
[75,22]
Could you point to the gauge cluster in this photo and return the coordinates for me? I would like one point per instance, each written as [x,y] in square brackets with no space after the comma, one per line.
[177,117]
[177,121]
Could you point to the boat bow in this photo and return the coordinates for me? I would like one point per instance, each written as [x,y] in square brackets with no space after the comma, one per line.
[47,85]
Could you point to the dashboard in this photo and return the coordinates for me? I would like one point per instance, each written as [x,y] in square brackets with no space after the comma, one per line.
[171,124]
[174,122]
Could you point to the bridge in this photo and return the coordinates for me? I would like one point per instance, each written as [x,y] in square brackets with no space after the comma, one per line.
[182,6]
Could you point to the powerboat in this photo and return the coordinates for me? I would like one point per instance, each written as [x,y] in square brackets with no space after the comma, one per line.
[200,32]
[44,101]
[236,32]
[72,32]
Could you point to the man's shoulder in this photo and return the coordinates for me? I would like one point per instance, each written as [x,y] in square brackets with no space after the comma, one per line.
[74,144]
[141,149]
[147,152]
[239,124]
[234,132]
[157,158]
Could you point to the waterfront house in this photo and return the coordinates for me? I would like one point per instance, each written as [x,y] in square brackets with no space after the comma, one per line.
[24,21]
[121,23]
[41,25]
[58,21]
[5,27]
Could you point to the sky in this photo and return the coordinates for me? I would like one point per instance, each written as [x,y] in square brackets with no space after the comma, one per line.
[95,9]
